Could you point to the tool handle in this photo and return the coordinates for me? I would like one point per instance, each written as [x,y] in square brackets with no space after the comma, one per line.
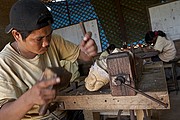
[43,109]
[82,28]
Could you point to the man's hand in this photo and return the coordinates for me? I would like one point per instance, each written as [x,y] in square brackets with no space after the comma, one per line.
[88,47]
[41,94]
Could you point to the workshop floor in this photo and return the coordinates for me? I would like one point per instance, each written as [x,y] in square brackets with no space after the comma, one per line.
[174,112]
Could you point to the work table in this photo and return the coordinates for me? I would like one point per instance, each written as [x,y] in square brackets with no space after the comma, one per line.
[153,83]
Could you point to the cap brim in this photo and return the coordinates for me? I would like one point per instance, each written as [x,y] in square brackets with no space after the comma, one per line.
[8,28]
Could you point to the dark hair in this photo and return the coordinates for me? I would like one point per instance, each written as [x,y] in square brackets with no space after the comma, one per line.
[110,48]
[24,34]
[151,34]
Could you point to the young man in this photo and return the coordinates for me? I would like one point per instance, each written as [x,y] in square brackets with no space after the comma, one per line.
[23,61]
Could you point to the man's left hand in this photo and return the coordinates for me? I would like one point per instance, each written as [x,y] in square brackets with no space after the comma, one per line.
[88,46]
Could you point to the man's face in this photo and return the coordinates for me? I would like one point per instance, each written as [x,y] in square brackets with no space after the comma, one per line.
[38,41]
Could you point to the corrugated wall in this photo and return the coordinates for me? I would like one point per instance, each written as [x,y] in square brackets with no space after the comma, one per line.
[123,20]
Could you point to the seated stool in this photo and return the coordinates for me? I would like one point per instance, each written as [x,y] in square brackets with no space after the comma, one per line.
[172,83]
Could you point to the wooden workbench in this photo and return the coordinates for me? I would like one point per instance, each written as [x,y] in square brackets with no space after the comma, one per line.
[153,83]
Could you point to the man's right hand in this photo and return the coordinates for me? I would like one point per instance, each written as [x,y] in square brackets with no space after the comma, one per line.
[41,94]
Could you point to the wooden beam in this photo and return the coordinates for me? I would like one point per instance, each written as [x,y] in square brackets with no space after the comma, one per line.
[121,21]
[109,102]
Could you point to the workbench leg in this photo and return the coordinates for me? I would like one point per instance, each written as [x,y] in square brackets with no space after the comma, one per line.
[139,114]
[143,114]
[90,115]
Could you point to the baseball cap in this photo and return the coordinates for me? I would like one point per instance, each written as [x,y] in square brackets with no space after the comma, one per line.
[28,15]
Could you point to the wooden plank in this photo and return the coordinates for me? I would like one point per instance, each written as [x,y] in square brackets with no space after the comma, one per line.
[124,70]
[108,102]
[153,78]
[153,65]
